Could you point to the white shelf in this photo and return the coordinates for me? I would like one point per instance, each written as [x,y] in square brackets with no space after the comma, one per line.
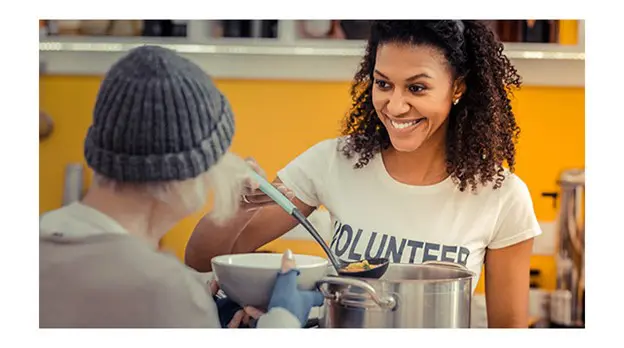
[288,58]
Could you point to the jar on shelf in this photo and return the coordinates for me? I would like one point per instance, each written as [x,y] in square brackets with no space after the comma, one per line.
[68,28]
[95,27]
[126,28]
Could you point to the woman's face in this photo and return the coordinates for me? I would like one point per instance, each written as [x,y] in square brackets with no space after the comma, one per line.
[413,92]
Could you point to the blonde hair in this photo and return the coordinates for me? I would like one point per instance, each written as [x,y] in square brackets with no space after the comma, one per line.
[225,180]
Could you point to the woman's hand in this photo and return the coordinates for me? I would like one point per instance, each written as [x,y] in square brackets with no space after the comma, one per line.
[253,198]
[231,315]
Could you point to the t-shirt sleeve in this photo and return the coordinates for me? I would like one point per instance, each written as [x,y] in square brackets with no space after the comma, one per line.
[517,221]
[306,174]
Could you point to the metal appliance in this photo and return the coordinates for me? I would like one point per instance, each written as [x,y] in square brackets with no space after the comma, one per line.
[74,183]
[567,302]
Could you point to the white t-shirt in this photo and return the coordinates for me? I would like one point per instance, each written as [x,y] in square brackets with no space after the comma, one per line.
[374,215]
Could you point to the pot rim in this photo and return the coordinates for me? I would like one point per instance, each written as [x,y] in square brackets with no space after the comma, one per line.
[461,269]
[427,281]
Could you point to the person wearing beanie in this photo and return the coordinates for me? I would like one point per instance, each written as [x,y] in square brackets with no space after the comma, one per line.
[158,145]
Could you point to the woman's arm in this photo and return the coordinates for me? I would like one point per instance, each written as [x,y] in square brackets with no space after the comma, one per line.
[304,176]
[507,277]
[244,233]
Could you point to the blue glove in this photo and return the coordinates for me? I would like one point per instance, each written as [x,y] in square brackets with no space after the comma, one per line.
[286,295]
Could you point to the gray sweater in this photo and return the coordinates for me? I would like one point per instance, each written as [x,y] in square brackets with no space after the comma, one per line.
[96,279]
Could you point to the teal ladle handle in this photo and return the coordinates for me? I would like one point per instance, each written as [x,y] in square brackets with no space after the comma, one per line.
[273,192]
[291,209]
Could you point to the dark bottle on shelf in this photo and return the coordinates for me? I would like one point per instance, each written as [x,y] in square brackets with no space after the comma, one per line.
[269,28]
[541,31]
[158,28]
[179,28]
[356,29]
[236,28]
[509,30]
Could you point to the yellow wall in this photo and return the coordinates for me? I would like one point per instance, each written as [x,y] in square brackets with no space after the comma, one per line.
[276,120]
[568,32]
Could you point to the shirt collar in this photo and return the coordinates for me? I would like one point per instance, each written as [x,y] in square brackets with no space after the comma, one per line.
[78,220]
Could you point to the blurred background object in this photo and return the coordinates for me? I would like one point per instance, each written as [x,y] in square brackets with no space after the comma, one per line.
[334,29]
[534,31]
[66,28]
[96,27]
[568,300]
[73,189]
[45,125]
[511,31]
[247,29]
[123,28]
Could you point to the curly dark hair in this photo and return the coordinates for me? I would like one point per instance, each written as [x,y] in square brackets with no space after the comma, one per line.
[482,129]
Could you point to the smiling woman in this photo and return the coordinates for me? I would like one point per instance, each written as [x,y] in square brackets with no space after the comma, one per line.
[420,78]
[419,173]
[413,81]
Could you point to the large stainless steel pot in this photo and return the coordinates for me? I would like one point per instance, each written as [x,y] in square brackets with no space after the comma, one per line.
[429,295]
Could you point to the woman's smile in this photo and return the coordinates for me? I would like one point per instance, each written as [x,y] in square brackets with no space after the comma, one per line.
[404,126]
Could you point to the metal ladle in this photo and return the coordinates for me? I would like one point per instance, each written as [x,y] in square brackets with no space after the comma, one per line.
[270,190]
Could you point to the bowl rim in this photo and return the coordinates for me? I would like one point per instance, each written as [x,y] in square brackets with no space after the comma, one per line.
[218,260]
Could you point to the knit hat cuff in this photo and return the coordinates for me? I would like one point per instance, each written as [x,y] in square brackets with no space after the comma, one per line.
[165,167]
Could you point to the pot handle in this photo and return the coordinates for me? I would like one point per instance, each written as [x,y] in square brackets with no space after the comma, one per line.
[386,302]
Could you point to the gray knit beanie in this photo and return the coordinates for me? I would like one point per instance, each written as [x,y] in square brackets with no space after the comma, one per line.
[158,117]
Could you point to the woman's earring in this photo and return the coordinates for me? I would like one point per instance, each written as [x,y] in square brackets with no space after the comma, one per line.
[456,101]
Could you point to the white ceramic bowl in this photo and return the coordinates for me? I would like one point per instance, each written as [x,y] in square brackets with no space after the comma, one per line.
[248,279]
